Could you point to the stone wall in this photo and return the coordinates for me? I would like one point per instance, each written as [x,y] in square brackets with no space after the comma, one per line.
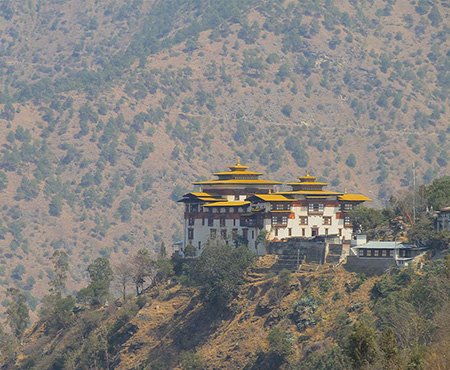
[368,266]
[309,249]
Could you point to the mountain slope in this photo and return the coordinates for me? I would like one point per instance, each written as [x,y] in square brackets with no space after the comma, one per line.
[109,111]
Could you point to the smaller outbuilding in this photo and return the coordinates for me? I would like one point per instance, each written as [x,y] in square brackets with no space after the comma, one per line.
[443,219]
[375,257]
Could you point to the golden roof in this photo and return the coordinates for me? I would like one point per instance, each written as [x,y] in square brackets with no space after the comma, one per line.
[198,195]
[308,183]
[205,197]
[307,178]
[227,204]
[237,173]
[272,198]
[238,166]
[311,192]
[237,182]
[354,198]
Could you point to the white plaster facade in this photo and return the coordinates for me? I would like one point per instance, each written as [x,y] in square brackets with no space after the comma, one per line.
[238,206]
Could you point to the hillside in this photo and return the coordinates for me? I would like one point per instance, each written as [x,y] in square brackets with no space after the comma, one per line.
[324,314]
[109,111]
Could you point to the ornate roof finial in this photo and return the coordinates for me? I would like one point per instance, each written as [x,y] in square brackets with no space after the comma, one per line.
[307,173]
[345,191]
[238,161]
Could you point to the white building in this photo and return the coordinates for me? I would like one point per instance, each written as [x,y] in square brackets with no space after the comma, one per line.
[443,219]
[238,206]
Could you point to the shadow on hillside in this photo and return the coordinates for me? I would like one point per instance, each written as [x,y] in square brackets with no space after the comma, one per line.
[189,329]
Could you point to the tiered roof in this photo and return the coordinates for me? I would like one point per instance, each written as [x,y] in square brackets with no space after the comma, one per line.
[238,175]
[307,183]
[310,188]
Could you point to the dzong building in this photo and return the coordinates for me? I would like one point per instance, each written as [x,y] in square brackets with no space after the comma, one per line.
[238,205]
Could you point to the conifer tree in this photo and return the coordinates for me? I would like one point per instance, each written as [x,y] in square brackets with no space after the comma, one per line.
[60,268]
[17,313]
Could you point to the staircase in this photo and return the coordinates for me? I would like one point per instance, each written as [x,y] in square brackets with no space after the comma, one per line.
[285,262]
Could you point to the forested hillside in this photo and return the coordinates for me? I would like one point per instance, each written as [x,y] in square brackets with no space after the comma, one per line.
[110,109]
[320,318]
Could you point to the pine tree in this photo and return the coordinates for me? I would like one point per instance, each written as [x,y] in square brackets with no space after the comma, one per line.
[17,313]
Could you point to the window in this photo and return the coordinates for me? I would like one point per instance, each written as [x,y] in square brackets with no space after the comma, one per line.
[376,252]
[191,221]
[303,232]
[348,206]
[276,232]
[236,197]
[277,220]
[222,222]
[303,220]
[199,245]
[253,234]
[190,234]
[340,232]
[290,231]
[383,253]
[326,231]
[210,222]
[234,222]
[347,220]
[245,233]
[213,233]
[279,207]
[389,254]
[203,221]
[223,233]
[327,220]
[315,207]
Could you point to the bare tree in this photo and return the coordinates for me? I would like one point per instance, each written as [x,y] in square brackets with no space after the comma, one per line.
[144,270]
[123,276]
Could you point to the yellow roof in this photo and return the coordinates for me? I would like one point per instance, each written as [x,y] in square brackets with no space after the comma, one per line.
[198,194]
[273,198]
[354,198]
[311,192]
[210,199]
[237,173]
[204,196]
[227,204]
[308,183]
[237,181]
[238,166]
[307,177]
